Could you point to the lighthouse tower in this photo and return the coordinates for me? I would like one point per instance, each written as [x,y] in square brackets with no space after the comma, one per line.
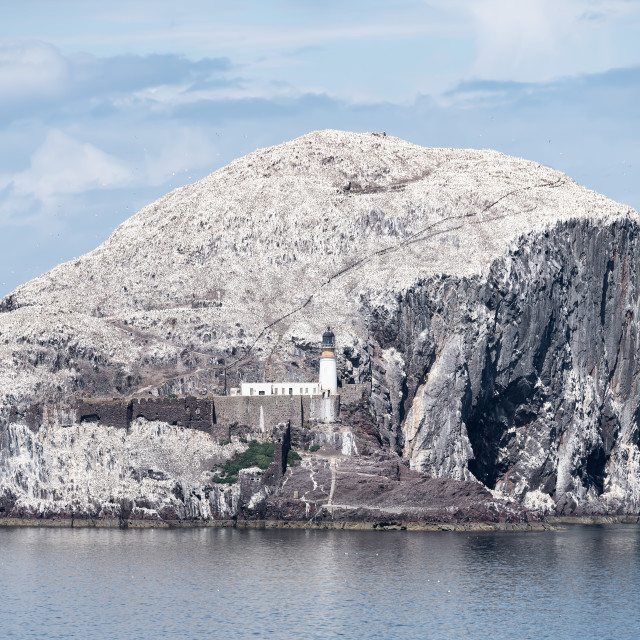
[328,364]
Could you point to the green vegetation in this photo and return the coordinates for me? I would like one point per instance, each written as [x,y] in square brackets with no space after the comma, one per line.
[243,440]
[258,454]
[314,447]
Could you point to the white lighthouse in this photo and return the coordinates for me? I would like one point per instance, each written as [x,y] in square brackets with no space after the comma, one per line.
[326,385]
[328,364]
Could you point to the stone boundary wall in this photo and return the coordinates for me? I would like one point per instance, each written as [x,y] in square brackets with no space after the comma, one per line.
[220,416]
[32,416]
[110,413]
[189,412]
[262,412]
[324,409]
[57,413]
[62,414]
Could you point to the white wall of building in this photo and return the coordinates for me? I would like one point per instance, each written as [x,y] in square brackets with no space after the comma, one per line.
[327,383]
[279,388]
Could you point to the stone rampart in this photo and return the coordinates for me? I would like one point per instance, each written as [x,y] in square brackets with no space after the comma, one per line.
[59,414]
[324,409]
[62,415]
[31,416]
[222,417]
[111,413]
[263,412]
[189,412]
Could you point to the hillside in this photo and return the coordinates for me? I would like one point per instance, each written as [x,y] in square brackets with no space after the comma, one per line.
[492,304]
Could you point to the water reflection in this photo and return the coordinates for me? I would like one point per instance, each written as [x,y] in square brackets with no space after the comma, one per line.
[199,583]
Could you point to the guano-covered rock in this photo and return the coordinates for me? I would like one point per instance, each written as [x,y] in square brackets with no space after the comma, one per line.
[492,304]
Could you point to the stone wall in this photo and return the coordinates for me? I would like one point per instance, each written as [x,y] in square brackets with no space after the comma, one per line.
[31,416]
[324,409]
[263,412]
[113,413]
[58,413]
[189,412]
[222,416]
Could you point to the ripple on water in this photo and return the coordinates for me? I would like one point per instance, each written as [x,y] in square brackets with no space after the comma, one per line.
[226,583]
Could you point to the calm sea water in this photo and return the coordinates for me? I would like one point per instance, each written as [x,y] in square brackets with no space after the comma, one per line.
[583,582]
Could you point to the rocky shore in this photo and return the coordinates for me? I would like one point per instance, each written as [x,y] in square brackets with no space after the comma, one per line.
[283,524]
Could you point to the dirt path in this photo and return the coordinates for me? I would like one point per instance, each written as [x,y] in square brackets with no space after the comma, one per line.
[333,484]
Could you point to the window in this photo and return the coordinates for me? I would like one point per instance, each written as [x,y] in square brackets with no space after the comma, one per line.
[251,391]
[306,390]
[261,393]
[290,391]
[275,391]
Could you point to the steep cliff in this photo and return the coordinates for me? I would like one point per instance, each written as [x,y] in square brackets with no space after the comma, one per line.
[492,304]
[526,378]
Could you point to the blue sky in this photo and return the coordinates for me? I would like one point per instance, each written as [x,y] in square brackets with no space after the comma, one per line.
[105,106]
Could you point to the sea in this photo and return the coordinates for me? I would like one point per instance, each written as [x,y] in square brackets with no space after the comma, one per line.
[582,582]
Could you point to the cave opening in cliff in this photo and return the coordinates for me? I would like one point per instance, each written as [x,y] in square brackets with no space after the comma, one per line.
[494,425]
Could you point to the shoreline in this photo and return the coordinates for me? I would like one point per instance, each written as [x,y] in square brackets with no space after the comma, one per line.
[549,524]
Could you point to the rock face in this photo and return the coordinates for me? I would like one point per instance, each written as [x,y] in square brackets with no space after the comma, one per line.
[533,393]
[491,303]
[89,471]
[159,473]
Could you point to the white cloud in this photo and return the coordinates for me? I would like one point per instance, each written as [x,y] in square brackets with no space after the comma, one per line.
[64,165]
[538,40]
[30,70]
[178,154]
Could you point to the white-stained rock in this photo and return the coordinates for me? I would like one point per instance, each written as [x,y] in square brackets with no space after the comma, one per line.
[492,303]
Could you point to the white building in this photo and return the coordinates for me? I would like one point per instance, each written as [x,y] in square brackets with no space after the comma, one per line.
[327,383]
[278,389]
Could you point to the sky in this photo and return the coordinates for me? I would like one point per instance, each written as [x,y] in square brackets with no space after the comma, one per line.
[106,106]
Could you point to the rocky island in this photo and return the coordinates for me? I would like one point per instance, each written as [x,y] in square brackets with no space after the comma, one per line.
[485,310]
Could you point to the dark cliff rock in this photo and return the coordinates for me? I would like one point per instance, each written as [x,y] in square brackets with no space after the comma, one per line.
[525,379]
